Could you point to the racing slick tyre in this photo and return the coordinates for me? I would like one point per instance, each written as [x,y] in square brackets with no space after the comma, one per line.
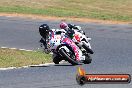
[70,58]
[56,60]
[88,59]
[87,48]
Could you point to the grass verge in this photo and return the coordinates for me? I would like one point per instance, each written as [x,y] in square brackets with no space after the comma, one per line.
[17,58]
[116,10]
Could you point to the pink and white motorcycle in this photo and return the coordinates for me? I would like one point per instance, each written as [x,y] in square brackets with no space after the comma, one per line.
[64,48]
[83,42]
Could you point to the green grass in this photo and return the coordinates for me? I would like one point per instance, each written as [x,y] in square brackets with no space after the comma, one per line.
[17,58]
[119,10]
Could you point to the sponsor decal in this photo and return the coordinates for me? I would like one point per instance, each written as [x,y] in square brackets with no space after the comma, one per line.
[77,37]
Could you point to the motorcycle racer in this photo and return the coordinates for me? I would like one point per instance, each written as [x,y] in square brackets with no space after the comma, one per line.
[77,35]
[44,32]
[69,28]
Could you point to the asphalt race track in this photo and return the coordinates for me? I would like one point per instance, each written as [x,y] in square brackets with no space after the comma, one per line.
[112,45]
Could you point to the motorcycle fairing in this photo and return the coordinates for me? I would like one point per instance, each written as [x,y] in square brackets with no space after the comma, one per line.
[73,45]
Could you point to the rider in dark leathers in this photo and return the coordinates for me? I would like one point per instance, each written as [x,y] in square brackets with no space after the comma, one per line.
[44,32]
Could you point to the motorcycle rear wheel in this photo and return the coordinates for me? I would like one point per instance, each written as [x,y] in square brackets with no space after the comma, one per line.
[88,59]
[87,48]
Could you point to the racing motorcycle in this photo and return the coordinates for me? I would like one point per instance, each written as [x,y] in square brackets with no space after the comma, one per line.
[64,48]
[83,42]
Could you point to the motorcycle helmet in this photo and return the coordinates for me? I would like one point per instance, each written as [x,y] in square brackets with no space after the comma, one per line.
[44,30]
[63,25]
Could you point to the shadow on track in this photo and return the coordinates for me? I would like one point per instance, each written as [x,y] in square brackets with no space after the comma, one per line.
[59,65]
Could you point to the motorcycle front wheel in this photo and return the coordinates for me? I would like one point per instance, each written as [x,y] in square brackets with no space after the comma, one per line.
[70,58]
